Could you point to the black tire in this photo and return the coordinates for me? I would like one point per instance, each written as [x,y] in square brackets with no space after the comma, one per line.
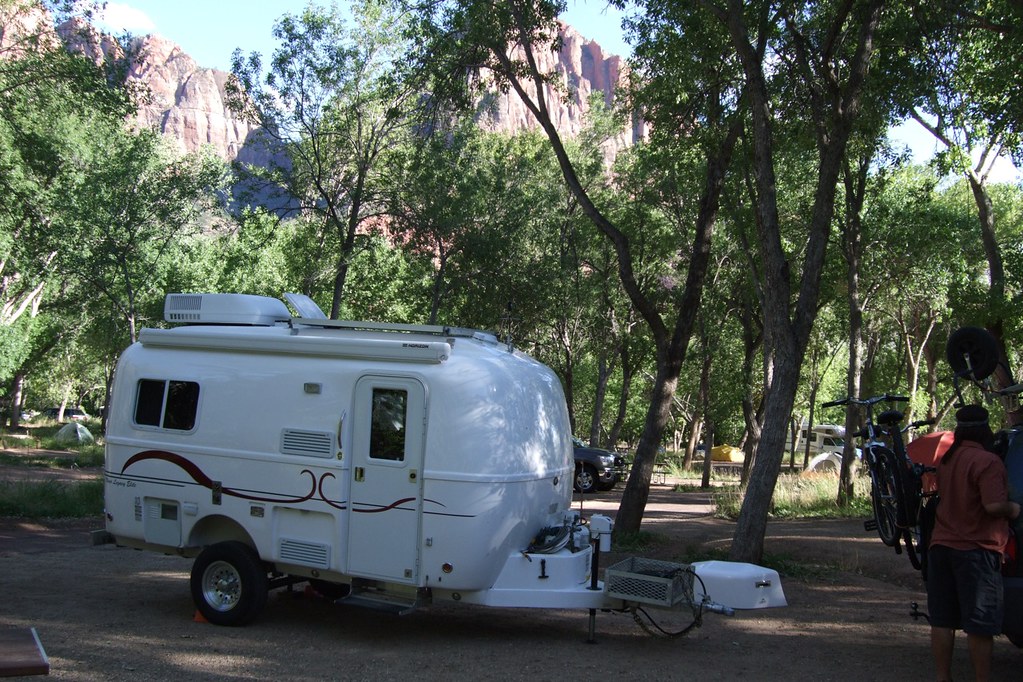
[910,538]
[229,584]
[1016,638]
[978,346]
[883,500]
[586,479]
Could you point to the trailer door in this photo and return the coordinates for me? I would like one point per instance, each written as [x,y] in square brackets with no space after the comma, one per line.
[387,463]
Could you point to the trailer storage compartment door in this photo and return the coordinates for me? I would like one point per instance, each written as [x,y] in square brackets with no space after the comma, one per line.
[387,463]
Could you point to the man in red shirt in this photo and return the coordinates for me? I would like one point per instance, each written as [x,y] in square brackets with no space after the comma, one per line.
[964,579]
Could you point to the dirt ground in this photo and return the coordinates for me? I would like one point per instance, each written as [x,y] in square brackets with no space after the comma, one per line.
[104,613]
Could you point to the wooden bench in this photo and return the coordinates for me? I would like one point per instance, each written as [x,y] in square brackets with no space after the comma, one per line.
[21,653]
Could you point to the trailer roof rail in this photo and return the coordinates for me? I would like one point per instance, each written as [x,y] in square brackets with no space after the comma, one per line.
[432,352]
[435,330]
[264,311]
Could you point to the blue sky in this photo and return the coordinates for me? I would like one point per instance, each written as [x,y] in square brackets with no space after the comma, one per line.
[210,31]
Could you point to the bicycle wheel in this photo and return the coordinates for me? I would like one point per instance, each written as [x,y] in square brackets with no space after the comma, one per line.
[914,550]
[897,473]
[883,500]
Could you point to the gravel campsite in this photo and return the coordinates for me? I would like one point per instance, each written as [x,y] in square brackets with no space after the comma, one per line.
[105,613]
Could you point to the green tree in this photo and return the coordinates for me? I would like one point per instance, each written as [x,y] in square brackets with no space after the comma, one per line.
[43,91]
[815,59]
[330,107]
[503,39]
[128,203]
[46,93]
[972,107]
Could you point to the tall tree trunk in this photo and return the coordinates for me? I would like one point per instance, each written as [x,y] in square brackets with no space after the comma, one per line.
[708,462]
[437,290]
[836,107]
[852,250]
[846,488]
[628,372]
[695,429]
[705,408]
[986,217]
[568,377]
[996,292]
[17,399]
[599,393]
[637,487]
[752,415]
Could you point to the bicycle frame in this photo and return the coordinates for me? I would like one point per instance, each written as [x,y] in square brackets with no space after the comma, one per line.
[895,481]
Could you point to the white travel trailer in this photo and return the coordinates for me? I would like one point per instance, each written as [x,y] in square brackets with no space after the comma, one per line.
[389,465]
[827,442]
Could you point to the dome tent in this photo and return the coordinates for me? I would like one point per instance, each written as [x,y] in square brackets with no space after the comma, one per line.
[73,433]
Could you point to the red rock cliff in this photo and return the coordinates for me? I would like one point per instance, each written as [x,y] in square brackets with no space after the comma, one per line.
[188,102]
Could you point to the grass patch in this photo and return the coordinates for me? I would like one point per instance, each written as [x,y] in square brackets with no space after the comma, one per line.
[638,542]
[692,477]
[790,567]
[51,499]
[802,496]
[92,456]
[21,448]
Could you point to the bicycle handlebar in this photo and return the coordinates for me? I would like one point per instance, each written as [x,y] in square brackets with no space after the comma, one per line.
[867,401]
[835,403]
[1015,389]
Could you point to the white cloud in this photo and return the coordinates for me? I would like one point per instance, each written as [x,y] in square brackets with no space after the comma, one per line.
[118,17]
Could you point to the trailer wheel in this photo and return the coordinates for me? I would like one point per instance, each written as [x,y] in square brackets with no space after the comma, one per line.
[229,583]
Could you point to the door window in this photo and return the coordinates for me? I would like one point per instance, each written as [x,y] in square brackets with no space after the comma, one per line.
[388,424]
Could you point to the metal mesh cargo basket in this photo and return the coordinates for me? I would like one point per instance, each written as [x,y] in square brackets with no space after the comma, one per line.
[650,581]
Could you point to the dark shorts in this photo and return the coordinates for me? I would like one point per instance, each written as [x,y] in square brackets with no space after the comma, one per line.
[964,590]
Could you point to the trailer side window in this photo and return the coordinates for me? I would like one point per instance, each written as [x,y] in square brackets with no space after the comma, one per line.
[149,404]
[387,432]
[167,404]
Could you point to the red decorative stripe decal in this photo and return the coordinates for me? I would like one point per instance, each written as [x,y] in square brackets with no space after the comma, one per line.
[202,479]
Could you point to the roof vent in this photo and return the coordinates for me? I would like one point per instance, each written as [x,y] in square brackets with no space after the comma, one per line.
[242,309]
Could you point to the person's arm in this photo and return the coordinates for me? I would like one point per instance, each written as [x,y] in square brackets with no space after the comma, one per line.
[1007,509]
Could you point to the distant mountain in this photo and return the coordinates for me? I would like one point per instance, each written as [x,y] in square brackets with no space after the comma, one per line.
[188,103]
[585,69]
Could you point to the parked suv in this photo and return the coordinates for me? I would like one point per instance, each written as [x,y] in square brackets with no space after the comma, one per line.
[595,469]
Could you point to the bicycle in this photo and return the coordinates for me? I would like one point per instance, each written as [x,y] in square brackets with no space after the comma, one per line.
[896,490]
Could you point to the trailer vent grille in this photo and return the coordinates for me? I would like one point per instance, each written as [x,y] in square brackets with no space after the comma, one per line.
[307,443]
[183,308]
[305,553]
[650,581]
[184,302]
